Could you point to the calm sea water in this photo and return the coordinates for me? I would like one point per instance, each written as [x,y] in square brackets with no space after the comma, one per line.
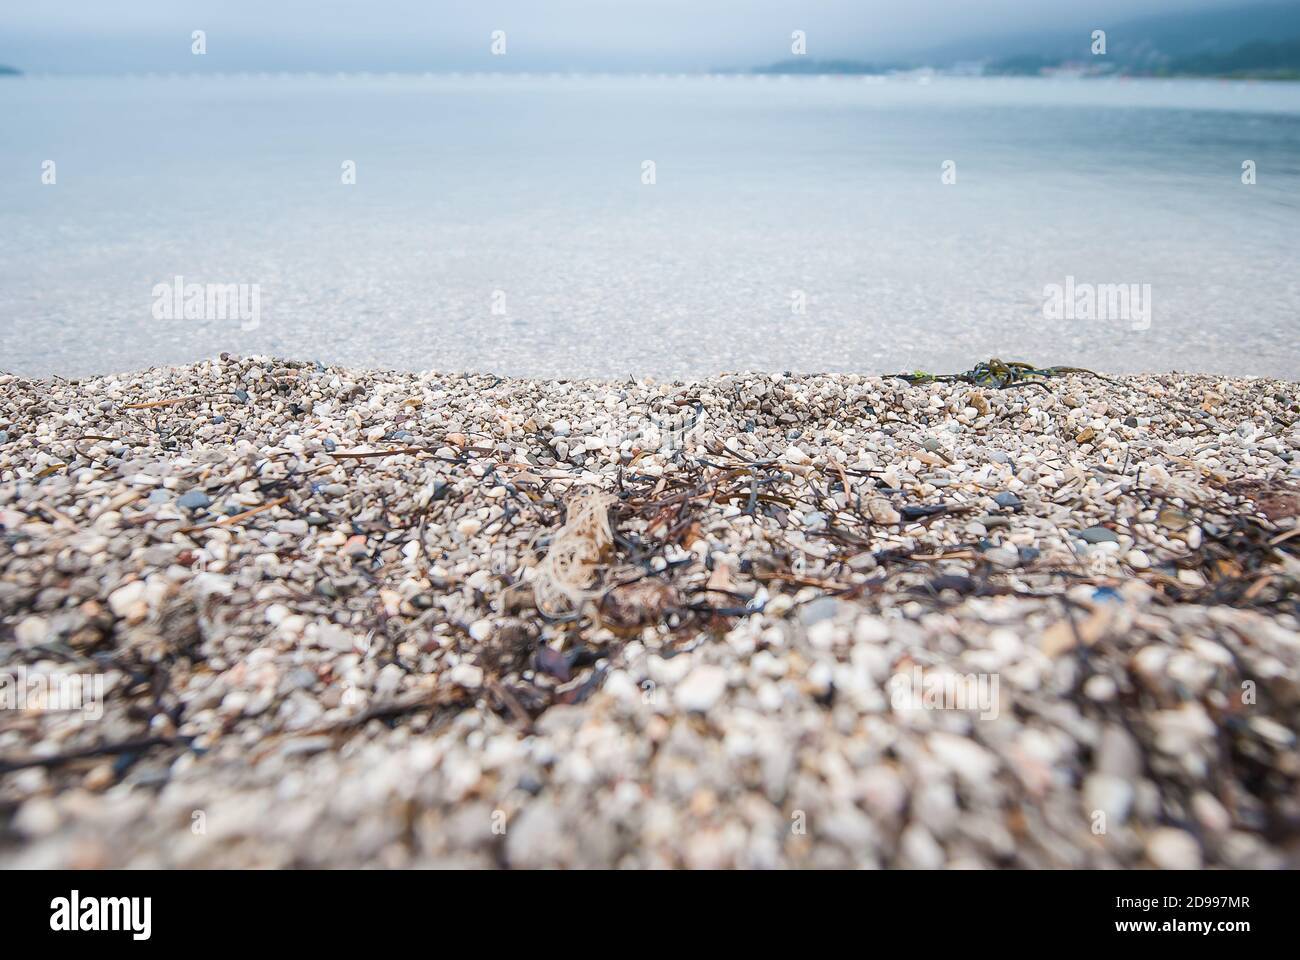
[502,223]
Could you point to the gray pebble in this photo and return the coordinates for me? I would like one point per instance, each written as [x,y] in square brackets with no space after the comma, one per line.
[194,500]
[1098,535]
[1008,500]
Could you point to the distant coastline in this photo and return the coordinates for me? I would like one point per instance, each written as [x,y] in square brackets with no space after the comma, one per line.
[804,66]
[9,71]
[1256,60]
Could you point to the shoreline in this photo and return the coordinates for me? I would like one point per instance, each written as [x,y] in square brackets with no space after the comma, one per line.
[817,620]
[600,380]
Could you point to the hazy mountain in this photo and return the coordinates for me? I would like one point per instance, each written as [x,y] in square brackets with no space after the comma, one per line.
[802,65]
[1146,43]
[1258,58]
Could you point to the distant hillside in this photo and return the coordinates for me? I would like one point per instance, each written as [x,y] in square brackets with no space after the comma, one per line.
[804,65]
[1159,40]
[1151,44]
[9,71]
[1256,59]
[1024,65]
[1254,40]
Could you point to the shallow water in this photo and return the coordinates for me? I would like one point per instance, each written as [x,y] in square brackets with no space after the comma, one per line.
[501,223]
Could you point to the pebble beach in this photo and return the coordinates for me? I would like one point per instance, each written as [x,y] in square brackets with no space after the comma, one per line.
[336,617]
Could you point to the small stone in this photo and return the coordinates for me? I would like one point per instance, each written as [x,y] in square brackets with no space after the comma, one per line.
[884,791]
[702,689]
[767,664]
[1137,559]
[194,500]
[31,632]
[1008,500]
[1097,535]
[1111,795]
[796,456]
[1100,688]
[882,511]
[333,637]
[1273,731]
[123,600]
[919,850]
[963,756]
[1211,813]
[817,610]
[1118,754]
[37,817]
[1180,732]
[821,678]
[1172,849]
[1004,556]
[770,698]
[99,778]
[467,675]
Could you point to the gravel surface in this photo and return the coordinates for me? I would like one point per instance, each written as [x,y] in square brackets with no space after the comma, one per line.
[325,617]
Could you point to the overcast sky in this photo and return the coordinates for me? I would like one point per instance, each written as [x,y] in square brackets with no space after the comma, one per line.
[142,35]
